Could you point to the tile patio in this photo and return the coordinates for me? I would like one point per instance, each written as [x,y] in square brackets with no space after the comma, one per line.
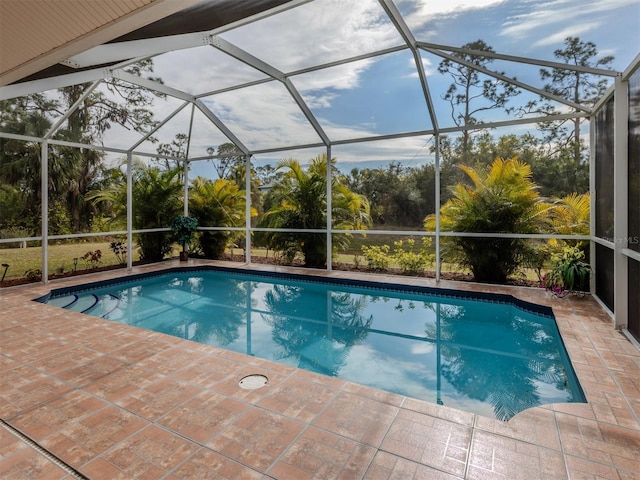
[103,401]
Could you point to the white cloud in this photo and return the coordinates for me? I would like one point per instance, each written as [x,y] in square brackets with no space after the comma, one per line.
[427,9]
[318,32]
[328,30]
[341,77]
[570,15]
[263,116]
[427,65]
[571,31]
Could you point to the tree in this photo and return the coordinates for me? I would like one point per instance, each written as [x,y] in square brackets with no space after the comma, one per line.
[229,158]
[72,171]
[579,87]
[177,149]
[156,202]
[469,95]
[398,195]
[300,202]
[502,200]
[555,172]
[219,203]
[20,160]
[571,216]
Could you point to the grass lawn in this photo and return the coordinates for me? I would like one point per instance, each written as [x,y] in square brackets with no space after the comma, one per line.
[22,260]
[61,257]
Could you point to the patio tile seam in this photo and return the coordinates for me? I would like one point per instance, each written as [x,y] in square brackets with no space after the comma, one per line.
[610,372]
[79,388]
[428,465]
[619,470]
[515,438]
[561,441]
[472,436]
[199,444]
[53,458]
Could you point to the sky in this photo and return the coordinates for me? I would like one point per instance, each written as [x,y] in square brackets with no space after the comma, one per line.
[374,96]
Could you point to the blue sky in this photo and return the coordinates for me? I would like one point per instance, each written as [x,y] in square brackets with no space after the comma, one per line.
[378,95]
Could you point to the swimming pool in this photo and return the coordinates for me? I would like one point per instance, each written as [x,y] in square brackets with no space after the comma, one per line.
[488,354]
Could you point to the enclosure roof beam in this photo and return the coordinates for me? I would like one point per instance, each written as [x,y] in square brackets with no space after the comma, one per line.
[519,121]
[221,125]
[160,125]
[513,58]
[398,20]
[293,91]
[152,85]
[478,126]
[52,83]
[248,59]
[245,57]
[116,52]
[52,131]
[510,80]
[301,71]
[445,130]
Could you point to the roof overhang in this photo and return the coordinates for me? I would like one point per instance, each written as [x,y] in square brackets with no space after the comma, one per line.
[40,39]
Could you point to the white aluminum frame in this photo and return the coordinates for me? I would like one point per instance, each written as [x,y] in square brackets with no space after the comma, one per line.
[148,48]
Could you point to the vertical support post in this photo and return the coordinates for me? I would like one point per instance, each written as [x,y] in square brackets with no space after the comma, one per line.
[437,205]
[438,355]
[186,164]
[44,195]
[329,315]
[248,319]
[129,210]
[247,211]
[329,208]
[592,199]
[621,202]
[185,193]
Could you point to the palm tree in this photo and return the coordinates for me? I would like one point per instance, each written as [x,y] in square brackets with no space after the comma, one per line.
[218,203]
[502,200]
[300,202]
[571,215]
[156,202]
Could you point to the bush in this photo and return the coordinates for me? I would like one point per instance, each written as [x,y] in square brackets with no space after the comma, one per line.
[410,260]
[570,273]
[377,257]
[119,249]
[503,199]
[219,203]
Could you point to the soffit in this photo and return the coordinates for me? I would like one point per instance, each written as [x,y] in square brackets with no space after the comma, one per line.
[37,35]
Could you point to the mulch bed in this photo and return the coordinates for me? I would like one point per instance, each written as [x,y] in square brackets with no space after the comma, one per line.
[349,267]
[460,277]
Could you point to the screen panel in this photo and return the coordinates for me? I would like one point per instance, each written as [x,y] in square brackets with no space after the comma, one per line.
[634,298]
[604,171]
[605,275]
[634,162]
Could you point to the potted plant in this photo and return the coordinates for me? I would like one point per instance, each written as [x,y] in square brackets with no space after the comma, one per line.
[183,228]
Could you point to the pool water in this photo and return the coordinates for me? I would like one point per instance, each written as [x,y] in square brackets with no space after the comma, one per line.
[488,356]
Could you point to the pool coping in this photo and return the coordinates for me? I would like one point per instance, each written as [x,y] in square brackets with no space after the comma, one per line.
[602,436]
[305,277]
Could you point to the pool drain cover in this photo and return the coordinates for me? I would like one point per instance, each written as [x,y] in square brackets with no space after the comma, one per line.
[252,382]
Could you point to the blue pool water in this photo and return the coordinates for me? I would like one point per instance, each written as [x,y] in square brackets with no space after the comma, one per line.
[492,355]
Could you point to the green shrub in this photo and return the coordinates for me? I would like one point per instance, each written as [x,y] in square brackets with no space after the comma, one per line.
[570,272]
[411,260]
[503,199]
[377,257]
[219,203]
